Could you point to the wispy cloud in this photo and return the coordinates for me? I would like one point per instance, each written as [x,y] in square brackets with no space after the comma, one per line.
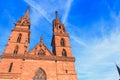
[95,56]
[47,11]
[100,54]
[39,9]
[67,9]
[80,42]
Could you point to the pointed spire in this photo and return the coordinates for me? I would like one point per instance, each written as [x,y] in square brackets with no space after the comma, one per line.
[56,15]
[27,13]
[41,38]
[25,20]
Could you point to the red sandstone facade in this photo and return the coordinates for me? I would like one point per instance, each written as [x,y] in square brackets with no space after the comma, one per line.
[40,63]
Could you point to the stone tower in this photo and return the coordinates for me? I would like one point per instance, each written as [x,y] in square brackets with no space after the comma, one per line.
[20,36]
[60,40]
[61,49]
[39,63]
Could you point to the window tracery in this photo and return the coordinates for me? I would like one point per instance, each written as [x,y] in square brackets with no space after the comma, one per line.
[40,75]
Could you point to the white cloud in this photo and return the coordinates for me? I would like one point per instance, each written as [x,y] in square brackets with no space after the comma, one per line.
[80,42]
[39,9]
[93,57]
[68,6]
[97,60]
[43,11]
[47,9]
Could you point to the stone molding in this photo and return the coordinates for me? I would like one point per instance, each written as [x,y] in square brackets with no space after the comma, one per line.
[10,75]
[20,29]
[58,34]
[38,57]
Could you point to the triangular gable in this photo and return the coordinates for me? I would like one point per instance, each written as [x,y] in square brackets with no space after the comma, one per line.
[40,49]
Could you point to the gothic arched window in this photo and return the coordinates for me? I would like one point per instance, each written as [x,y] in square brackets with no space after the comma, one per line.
[16,50]
[64,53]
[62,42]
[41,52]
[40,75]
[19,38]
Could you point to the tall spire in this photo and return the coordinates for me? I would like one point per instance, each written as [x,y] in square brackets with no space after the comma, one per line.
[27,13]
[25,20]
[56,15]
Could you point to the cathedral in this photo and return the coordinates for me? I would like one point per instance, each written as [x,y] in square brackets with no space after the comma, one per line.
[39,63]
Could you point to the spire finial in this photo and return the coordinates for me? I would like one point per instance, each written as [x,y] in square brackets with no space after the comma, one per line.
[56,14]
[27,13]
[41,38]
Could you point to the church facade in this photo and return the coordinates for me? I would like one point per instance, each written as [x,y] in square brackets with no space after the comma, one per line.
[39,63]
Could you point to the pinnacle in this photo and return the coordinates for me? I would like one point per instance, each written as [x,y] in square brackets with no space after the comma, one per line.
[41,38]
[27,13]
[56,15]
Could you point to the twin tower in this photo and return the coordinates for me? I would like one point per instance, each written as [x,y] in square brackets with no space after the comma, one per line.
[39,63]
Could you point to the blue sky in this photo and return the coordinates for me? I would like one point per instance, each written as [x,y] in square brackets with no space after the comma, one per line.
[93,25]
